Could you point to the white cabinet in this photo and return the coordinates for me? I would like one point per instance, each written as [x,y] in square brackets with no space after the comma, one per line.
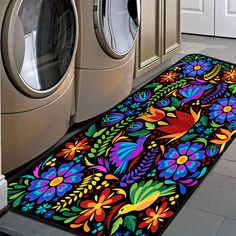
[209,17]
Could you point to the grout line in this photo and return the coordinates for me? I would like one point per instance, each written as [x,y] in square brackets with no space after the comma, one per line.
[212,213]
[220,226]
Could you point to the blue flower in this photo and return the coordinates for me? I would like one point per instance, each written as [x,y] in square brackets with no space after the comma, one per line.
[224,110]
[112,118]
[142,96]
[128,102]
[130,113]
[49,214]
[165,102]
[182,160]
[212,150]
[135,126]
[42,209]
[78,158]
[209,131]
[55,182]
[28,207]
[97,228]
[124,109]
[135,105]
[197,67]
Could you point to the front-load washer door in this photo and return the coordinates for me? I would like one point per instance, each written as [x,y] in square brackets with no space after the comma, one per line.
[116,24]
[39,43]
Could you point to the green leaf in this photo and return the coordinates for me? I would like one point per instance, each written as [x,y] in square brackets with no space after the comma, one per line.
[213,124]
[142,132]
[152,85]
[68,214]
[204,121]
[18,201]
[100,132]
[150,126]
[16,195]
[75,209]
[201,140]
[116,225]
[70,219]
[188,137]
[158,87]
[93,150]
[233,88]
[91,155]
[175,102]
[172,108]
[130,223]
[58,218]
[64,209]
[91,131]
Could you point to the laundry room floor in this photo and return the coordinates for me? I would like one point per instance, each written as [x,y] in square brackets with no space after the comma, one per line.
[211,211]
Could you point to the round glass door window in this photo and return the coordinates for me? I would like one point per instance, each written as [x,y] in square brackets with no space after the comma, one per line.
[116,24]
[43,42]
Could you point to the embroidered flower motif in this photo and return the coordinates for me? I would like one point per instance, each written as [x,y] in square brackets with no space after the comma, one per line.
[181,160]
[224,110]
[155,216]
[55,182]
[95,208]
[72,149]
[197,67]
[171,76]
[230,75]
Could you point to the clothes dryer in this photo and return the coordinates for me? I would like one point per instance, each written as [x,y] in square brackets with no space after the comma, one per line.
[105,54]
[38,45]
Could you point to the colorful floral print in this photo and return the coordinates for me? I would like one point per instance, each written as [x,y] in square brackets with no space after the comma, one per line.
[55,182]
[197,67]
[224,110]
[182,160]
[230,75]
[170,76]
[154,216]
[131,171]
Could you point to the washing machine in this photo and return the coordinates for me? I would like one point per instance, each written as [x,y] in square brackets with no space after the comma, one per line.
[105,54]
[38,46]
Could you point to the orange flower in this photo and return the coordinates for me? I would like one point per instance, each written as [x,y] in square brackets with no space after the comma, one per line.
[154,217]
[156,115]
[169,77]
[222,138]
[95,208]
[230,75]
[72,149]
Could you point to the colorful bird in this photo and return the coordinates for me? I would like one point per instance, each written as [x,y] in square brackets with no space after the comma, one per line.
[143,195]
[194,92]
[122,152]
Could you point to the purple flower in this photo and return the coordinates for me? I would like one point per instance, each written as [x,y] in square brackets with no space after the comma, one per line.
[197,67]
[113,118]
[212,150]
[181,160]
[142,96]
[224,110]
[165,102]
[55,182]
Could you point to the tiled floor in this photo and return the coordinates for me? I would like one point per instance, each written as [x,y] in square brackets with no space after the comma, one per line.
[211,211]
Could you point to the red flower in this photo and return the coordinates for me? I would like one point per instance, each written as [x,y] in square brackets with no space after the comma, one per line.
[169,77]
[72,149]
[179,126]
[154,217]
[95,208]
[230,75]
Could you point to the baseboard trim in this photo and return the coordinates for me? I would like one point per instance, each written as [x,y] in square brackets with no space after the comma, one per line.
[3,192]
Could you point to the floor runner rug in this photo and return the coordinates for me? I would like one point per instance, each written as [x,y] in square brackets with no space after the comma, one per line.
[131,171]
